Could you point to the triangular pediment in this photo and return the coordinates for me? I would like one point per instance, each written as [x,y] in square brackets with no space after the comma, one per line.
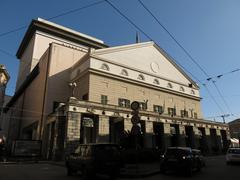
[146,57]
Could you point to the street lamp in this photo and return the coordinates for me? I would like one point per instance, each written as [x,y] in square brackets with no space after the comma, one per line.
[73,85]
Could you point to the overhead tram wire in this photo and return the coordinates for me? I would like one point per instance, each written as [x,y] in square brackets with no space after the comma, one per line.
[219,92]
[129,20]
[137,27]
[221,75]
[7,53]
[54,17]
[170,34]
[187,53]
[219,107]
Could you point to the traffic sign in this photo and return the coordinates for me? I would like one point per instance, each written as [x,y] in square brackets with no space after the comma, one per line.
[135,119]
[135,105]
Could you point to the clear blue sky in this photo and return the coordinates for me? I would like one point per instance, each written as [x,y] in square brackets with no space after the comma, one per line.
[208,29]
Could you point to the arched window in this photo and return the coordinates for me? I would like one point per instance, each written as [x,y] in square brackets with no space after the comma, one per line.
[105,67]
[182,89]
[169,85]
[124,72]
[141,77]
[193,92]
[156,81]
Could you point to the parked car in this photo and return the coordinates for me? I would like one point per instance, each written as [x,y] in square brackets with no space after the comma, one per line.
[198,155]
[3,150]
[181,159]
[233,155]
[92,159]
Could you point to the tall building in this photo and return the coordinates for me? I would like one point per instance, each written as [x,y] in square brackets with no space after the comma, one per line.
[73,88]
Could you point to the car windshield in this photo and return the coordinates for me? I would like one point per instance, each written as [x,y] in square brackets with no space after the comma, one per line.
[106,151]
[177,152]
[106,148]
[234,151]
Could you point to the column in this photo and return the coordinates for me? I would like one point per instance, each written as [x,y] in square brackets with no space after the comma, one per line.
[196,138]
[103,131]
[182,136]
[72,131]
[167,135]
[208,141]
[127,124]
[219,140]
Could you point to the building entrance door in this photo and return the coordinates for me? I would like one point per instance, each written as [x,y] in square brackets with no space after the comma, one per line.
[214,143]
[158,130]
[174,130]
[89,128]
[225,143]
[190,140]
[203,146]
[116,129]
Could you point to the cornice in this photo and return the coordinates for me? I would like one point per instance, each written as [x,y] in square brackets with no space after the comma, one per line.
[106,74]
[55,31]
[138,70]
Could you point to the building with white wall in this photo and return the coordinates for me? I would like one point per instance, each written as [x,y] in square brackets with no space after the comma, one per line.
[104,81]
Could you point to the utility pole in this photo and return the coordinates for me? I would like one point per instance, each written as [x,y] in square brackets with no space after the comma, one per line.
[223,116]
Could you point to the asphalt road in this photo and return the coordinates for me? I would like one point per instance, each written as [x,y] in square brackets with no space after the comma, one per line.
[216,169]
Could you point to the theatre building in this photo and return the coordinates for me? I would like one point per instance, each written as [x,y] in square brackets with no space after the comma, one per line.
[79,90]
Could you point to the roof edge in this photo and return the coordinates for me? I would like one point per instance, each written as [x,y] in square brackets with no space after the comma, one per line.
[60,31]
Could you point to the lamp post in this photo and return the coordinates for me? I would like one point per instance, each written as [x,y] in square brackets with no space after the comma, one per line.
[73,85]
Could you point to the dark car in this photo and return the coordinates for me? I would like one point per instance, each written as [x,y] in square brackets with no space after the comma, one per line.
[92,159]
[199,156]
[3,151]
[181,159]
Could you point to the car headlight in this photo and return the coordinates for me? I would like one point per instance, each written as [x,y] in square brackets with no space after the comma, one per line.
[186,157]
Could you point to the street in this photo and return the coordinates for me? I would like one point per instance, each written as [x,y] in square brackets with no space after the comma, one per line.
[216,169]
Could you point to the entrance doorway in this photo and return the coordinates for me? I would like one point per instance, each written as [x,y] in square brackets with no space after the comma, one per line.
[203,146]
[225,143]
[116,129]
[158,130]
[190,140]
[174,130]
[89,128]
[214,143]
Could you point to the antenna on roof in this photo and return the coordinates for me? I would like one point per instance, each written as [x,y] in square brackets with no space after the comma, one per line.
[137,38]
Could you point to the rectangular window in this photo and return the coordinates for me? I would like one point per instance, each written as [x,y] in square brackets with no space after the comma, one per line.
[172,111]
[158,109]
[104,99]
[143,106]
[195,115]
[124,103]
[184,113]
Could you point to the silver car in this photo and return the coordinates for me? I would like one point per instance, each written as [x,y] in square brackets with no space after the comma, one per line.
[233,155]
